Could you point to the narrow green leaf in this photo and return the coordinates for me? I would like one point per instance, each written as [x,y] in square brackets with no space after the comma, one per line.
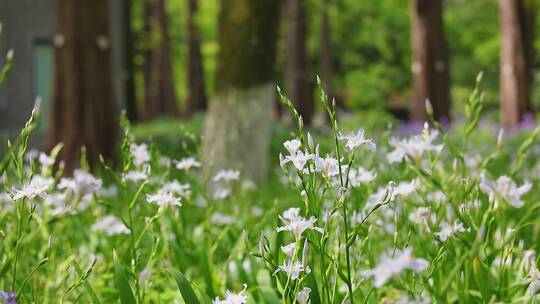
[188,294]
[124,290]
[312,284]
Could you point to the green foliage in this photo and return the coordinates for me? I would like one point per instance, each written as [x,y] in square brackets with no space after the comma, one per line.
[184,287]
[124,290]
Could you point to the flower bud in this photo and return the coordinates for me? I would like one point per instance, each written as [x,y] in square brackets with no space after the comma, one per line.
[429,107]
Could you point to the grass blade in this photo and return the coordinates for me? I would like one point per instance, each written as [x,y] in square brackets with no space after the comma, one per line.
[188,294]
[124,290]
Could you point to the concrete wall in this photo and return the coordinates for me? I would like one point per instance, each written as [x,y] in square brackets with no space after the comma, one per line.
[26,22]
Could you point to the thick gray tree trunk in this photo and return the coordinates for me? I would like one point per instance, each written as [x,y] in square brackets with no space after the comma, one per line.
[238,122]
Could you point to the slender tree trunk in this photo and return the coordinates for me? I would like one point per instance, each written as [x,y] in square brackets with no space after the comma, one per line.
[159,94]
[296,73]
[513,62]
[430,67]
[327,68]
[238,122]
[527,25]
[196,99]
[83,112]
[131,103]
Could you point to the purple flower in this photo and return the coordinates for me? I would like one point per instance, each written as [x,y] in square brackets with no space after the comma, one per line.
[8,297]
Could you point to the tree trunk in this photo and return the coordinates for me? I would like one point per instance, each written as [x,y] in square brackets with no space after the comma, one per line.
[131,103]
[83,111]
[430,67]
[513,73]
[327,68]
[527,25]
[196,98]
[159,94]
[296,73]
[238,122]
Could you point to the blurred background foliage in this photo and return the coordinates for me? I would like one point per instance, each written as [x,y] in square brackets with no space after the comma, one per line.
[371,48]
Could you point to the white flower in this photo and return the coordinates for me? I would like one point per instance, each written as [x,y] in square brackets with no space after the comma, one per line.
[299,159]
[414,147]
[145,274]
[356,139]
[164,161]
[140,154]
[292,145]
[187,163]
[232,298]
[422,216]
[390,192]
[293,269]
[361,176]
[303,296]
[57,202]
[45,160]
[222,193]
[297,224]
[290,214]
[135,176]
[31,155]
[227,175]
[449,230]
[389,267]
[110,225]
[220,218]
[36,187]
[163,198]
[111,191]
[289,249]
[182,190]
[82,183]
[534,286]
[406,188]
[328,165]
[504,189]
[256,211]
[529,259]
[6,203]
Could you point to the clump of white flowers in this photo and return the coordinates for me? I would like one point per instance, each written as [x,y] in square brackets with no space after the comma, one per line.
[187,163]
[37,186]
[297,224]
[227,176]
[111,225]
[232,298]
[414,146]
[389,266]
[356,139]
[163,198]
[140,154]
[82,183]
[504,190]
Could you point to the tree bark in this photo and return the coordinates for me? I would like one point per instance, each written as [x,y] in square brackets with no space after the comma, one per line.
[131,103]
[513,79]
[83,112]
[159,94]
[238,122]
[296,73]
[527,24]
[196,97]
[430,64]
